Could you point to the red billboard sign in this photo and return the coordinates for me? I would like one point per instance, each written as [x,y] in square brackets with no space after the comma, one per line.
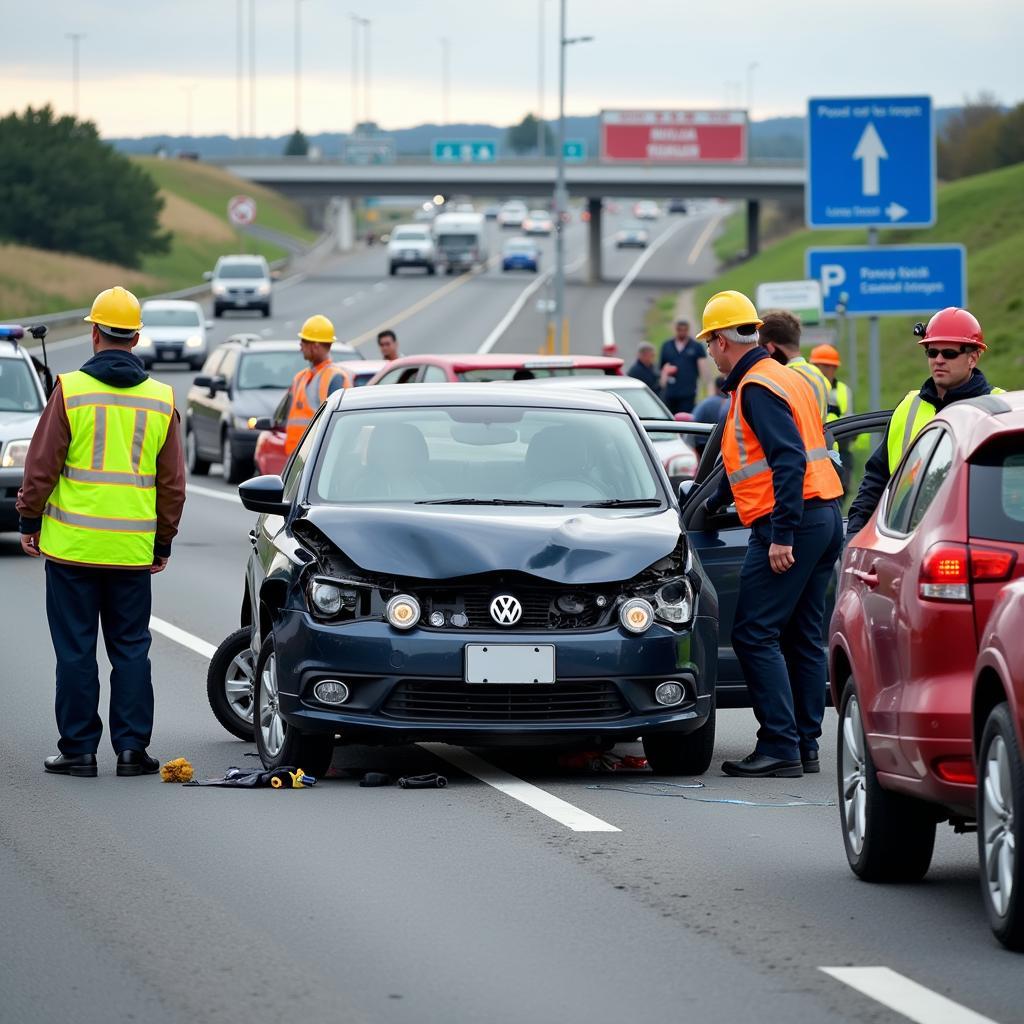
[674,136]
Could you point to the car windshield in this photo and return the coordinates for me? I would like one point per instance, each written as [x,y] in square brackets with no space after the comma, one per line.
[268,369]
[409,235]
[251,270]
[538,214]
[509,373]
[18,391]
[643,402]
[483,455]
[450,241]
[171,317]
[524,246]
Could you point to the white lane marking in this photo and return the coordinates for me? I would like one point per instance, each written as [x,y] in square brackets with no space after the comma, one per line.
[348,300]
[703,240]
[525,792]
[906,997]
[608,313]
[513,311]
[209,492]
[548,804]
[380,286]
[179,636]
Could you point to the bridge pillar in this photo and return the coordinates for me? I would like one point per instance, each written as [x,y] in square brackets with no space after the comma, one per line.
[594,251]
[753,227]
[342,221]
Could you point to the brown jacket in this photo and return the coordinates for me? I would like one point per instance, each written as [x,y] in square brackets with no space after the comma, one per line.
[45,461]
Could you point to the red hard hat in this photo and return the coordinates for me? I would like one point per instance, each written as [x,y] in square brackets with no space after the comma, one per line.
[952,324]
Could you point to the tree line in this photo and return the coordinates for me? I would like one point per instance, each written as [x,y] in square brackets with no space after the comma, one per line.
[981,137]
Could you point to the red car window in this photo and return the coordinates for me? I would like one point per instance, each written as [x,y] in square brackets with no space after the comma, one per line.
[934,477]
[903,487]
[997,492]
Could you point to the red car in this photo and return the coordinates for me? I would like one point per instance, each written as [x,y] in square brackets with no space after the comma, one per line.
[270,455]
[918,585]
[472,366]
[999,747]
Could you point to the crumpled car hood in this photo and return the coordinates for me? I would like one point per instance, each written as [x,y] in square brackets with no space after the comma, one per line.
[562,545]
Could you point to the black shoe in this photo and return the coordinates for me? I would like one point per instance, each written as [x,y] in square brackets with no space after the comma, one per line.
[136,762]
[82,766]
[809,759]
[758,766]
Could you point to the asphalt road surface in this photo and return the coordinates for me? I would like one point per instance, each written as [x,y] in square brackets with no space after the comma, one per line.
[524,892]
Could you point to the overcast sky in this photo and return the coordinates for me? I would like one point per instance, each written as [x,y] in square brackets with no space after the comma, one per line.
[141,61]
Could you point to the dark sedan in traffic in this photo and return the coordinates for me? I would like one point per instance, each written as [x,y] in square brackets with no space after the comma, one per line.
[476,564]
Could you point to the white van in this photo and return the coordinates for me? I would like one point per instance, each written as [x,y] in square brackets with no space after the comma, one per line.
[460,240]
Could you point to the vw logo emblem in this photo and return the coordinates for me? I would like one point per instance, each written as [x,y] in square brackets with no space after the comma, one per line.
[506,610]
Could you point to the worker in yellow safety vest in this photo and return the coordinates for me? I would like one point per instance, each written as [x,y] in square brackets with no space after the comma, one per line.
[953,343]
[101,498]
[826,358]
[780,335]
[310,387]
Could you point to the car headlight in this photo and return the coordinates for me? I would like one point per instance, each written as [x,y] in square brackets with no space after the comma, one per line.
[263,289]
[145,341]
[403,611]
[244,422]
[636,615]
[673,602]
[194,342]
[681,464]
[326,598]
[14,454]
[219,289]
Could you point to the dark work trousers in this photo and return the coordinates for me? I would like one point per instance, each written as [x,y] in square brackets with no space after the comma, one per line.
[680,403]
[778,632]
[78,600]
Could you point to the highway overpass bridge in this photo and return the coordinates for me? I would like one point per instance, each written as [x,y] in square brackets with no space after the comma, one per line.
[313,184]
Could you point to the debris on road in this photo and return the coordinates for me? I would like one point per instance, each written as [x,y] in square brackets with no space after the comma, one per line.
[280,778]
[178,770]
[667,788]
[602,761]
[431,781]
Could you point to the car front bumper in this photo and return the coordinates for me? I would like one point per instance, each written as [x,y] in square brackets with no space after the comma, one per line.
[10,484]
[410,686]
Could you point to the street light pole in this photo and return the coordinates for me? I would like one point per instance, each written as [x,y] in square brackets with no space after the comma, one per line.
[76,38]
[366,67]
[298,64]
[252,72]
[751,68]
[540,77]
[445,76]
[239,61]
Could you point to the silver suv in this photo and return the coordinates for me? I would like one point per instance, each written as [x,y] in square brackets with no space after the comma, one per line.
[240,282]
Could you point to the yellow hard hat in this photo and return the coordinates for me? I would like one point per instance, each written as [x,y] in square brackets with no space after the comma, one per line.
[825,355]
[728,309]
[116,310]
[319,329]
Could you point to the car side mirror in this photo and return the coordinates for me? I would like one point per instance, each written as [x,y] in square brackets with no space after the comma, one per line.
[263,423]
[202,381]
[264,494]
[207,275]
[685,490]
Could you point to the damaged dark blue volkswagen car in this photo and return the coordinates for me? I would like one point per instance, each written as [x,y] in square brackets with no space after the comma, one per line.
[472,564]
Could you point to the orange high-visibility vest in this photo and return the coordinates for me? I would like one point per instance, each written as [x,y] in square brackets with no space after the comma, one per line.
[309,392]
[745,464]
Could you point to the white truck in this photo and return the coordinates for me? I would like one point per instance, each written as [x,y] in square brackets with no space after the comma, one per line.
[460,241]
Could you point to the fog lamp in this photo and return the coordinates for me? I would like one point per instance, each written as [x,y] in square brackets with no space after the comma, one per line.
[636,615]
[331,691]
[403,611]
[669,693]
[437,619]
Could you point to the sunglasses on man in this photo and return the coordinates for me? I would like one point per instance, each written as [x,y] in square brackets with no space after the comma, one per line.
[947,353]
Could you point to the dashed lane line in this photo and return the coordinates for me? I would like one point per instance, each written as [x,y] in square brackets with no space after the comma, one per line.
[526,793]
[906,997]
[209,492]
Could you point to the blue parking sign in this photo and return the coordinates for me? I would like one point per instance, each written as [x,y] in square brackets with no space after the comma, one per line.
[870,162]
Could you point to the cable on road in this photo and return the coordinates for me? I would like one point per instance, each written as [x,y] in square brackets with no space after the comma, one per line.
[666,789]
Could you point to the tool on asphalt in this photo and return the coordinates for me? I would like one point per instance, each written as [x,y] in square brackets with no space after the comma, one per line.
[371,779]
[665,789]
[431,781]
[178,770]
[286,777]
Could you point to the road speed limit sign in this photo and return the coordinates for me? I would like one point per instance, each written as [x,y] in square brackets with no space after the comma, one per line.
[241,210]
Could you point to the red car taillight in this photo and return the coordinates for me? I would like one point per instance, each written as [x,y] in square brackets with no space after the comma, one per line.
[948,570]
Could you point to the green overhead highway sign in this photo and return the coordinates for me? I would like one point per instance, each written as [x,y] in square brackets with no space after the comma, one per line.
[464,151]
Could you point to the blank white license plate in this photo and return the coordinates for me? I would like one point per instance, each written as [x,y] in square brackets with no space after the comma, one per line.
[510,663]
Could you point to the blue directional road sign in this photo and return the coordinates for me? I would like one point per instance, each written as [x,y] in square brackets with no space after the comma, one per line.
[870,162]
[883,280]
[464,151]
[574,150]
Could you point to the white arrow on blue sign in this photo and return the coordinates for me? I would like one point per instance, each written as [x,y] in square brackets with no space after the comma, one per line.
[890,279]
[870,162]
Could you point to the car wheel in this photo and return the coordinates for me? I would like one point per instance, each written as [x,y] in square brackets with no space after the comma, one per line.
[673,753]
[197,365]
[277,742]
[229,684]
[217,311]
[431,270]
[1000,813]
[888,837]
[392,270]
[234,470]
[197,465]
[266,312]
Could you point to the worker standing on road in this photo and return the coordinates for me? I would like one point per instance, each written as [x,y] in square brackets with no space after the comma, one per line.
[102,496]
[643,369]
[310,387]
[953,342]
[683,365]
[780,336]
[778,472]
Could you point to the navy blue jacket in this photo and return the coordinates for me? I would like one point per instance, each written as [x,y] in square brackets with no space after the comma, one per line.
[648,374]
[686,362]
[772,421]
[876,472]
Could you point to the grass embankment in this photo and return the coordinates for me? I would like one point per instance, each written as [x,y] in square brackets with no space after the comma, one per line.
[195,197]
[986,214]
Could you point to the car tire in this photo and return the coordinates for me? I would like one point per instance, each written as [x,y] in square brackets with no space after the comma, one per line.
[218,311]
[1001,827]
[197,465]
[197,365]
[232,468]
[431,270]
[888,837]
[266,312]
[392,270]
[229,684]
[278,743]
[673,753]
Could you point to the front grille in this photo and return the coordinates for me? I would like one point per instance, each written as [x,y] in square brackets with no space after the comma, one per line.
[561,702]
[544,608]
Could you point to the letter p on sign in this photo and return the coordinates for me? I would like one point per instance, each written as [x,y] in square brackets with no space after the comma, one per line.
[833,275]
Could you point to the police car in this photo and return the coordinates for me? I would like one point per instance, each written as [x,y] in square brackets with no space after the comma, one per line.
[22,397]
